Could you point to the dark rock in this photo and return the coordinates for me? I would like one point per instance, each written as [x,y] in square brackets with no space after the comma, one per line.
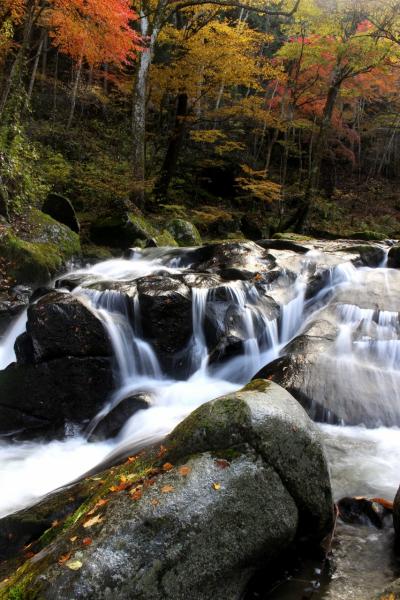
[166,310]
[61,209]
[282,245]
[111,424]
[396,517]
[59,324]
[41,400]
[236,275]
[123,230]
[394,257]
[362,511]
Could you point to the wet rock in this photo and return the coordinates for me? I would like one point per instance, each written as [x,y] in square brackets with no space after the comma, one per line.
[42,400]
[59,324]
[166,310]
[240,500]
[184,232]
[234,255]
[61,209]
[111,424]
[283,245]
[394,257]
[12,302]
[396,517]
[362,511]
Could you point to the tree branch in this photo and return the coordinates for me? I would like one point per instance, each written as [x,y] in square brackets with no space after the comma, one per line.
[179,4]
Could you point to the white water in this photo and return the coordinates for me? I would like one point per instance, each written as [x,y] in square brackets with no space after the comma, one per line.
[363,461]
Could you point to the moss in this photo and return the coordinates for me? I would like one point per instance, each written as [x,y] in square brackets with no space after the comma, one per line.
[184,232]
[293,237]
[42,251]
[92,251]
[141,223]
[257,385]
[367,235]
[165,238]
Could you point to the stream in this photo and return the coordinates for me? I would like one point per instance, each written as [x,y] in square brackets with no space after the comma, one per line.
[363,461]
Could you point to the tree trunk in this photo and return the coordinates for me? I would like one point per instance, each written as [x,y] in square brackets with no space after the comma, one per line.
[35,66]
[139,98]
[75,93]
[301,215]
[174,147]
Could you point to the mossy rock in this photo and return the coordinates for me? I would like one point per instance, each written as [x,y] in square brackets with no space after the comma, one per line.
[184,232]
[46,247]
[166,239]
[367,235]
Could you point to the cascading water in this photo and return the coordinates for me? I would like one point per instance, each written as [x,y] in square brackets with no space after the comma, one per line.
[366,337]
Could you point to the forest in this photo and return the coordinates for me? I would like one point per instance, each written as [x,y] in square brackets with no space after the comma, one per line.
[237,117]
[199,299]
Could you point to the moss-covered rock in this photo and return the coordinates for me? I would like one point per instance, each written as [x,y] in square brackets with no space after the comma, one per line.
[184,232]
[166,239]
[40,251]
[294,237]
[233,487]
[367,235]
[128,230]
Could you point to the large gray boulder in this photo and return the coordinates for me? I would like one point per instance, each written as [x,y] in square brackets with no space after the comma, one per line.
[237,483]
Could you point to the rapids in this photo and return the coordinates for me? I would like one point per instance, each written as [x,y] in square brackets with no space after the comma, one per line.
[363,461]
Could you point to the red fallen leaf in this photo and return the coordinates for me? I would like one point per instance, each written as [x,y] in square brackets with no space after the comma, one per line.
[136,495]
[385,503]
[222,463]
[121,487]
[63,558]
[87,541]
[168,467]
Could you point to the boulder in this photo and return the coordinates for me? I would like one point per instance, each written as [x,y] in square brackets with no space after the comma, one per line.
[394,257]
[113,421]
[60,324]
[184,232]
[122,230]
[43,400]
[244,477]
[61,210]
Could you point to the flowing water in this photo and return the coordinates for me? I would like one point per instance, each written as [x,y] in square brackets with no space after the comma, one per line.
[363,461]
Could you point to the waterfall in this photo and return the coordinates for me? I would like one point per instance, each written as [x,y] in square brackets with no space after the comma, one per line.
[364,356]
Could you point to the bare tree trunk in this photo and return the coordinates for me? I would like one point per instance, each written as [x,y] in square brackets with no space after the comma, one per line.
[35,66]
[75,93]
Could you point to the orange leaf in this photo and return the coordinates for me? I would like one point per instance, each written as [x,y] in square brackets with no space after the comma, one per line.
[385,503]
[167,489]
[93,521]
[168,467]
[136,495]
[185,470]
[87,541]
[63,558]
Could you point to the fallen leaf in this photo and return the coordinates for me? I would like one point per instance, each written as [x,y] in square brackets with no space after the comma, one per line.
[98,504]
[166,489]
[121,487]
[136,495]
[55,523]
[222,463]
[216,486]
[74,565]
[385,503]
[63,558]
[168,467]
[87,541]
[132,459]
[184,471]
[149,482]
[155,502]
[93,521]
[73,539]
